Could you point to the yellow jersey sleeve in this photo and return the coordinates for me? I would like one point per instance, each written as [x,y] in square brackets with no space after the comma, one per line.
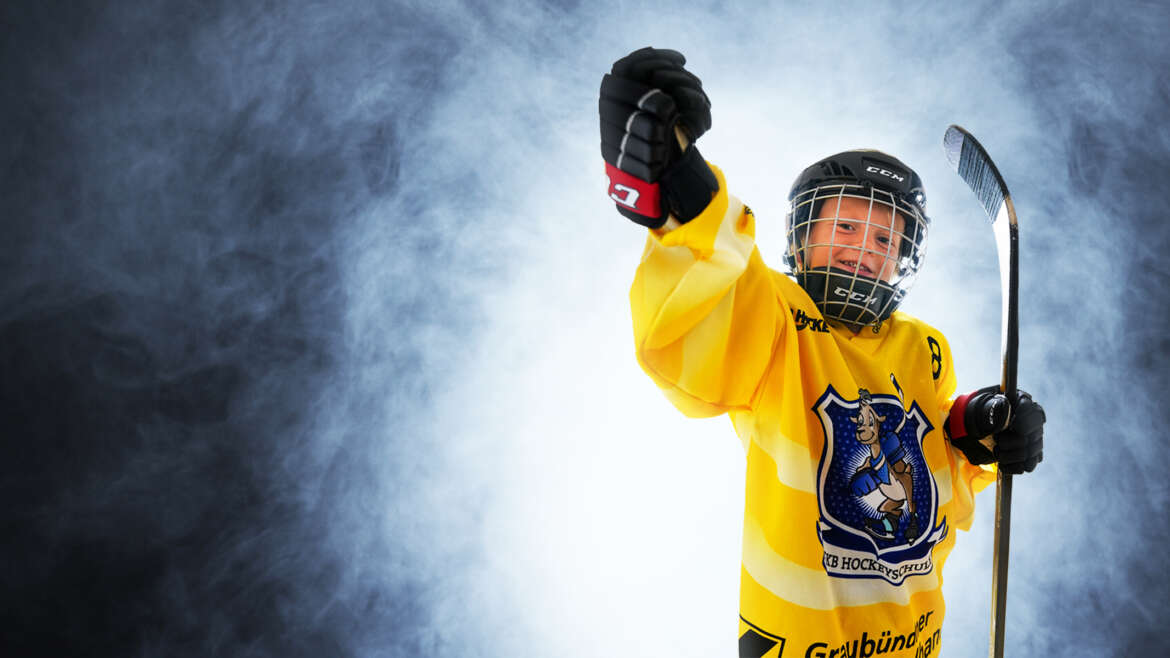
[705,310]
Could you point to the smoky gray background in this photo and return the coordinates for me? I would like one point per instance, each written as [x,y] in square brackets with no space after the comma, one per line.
[314,338]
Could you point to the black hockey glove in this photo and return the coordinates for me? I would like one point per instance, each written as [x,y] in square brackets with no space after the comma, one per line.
[1018,432]
[645,96]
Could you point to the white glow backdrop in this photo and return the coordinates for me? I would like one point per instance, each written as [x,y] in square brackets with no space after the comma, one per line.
[336,296]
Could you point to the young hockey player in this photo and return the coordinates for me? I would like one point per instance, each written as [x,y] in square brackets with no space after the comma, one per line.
[860,465]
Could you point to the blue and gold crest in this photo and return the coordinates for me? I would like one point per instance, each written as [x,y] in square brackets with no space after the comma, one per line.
[878,500]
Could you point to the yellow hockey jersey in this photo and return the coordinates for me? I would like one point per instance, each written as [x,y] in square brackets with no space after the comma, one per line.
[853,494]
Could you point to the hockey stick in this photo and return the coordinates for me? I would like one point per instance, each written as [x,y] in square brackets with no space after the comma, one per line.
[974,166]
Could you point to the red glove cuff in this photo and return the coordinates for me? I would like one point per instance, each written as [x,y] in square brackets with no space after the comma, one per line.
[956,426]
[634,193]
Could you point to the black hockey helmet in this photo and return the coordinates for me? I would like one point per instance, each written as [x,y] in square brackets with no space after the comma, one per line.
[881,180]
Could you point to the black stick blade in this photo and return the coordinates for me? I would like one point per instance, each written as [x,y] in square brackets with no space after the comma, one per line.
[969,159]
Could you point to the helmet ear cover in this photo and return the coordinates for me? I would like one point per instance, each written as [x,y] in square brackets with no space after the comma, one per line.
[800,217]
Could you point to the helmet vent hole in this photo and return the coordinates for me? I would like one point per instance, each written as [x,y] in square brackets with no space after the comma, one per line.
[836,170]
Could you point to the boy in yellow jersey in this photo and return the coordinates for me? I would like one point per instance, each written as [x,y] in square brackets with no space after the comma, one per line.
[860,465]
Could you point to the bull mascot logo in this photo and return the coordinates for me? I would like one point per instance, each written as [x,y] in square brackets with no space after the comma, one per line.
[877,497]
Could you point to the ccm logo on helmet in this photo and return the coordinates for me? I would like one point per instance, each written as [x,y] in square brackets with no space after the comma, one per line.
[854,296]
[885,172]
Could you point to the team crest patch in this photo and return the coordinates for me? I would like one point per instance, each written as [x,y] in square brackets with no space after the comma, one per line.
[877,497]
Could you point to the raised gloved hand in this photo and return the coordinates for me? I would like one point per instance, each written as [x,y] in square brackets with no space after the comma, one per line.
[1017,433]
[646,101]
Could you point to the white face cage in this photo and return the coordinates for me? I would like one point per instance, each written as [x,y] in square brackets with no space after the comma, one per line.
[855,249]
